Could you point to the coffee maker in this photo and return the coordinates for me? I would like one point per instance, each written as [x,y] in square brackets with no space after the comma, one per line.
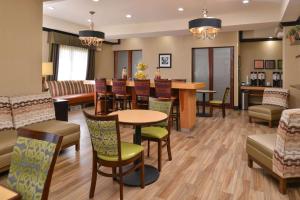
[253,77]
[261,76]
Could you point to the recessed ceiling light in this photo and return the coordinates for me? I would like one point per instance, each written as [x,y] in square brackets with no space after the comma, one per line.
[89,20]
[180,9]
[270,37]
[128,16]
[246,1]
[95,0]
[50,7]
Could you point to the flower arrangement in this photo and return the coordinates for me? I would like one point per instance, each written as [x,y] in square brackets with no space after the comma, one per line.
[140,74]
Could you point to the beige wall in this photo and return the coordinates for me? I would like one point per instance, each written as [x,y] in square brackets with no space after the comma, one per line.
[181,49]
[45,47]
[20,47]
[291,70]
[267,50]
[104,62]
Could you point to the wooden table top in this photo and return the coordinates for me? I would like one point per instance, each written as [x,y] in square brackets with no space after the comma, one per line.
[206,91]
[6,194]
[140,117]
[254,88]
[175,85]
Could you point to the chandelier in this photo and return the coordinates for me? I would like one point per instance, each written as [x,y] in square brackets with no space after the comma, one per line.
[91,37]
[205,27]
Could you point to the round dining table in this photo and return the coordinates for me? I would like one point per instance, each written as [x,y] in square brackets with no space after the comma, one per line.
[139,118]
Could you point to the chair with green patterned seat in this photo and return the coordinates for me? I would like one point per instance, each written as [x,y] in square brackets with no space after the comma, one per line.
[220,103]
[109,151]
[32,163]
[159,132]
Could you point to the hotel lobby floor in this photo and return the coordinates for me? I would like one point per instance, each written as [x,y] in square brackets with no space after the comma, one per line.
[210,163]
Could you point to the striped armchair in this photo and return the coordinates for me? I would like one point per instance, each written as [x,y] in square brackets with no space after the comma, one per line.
[278,153]
[76,92]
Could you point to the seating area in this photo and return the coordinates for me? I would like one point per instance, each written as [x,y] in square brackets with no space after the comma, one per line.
[149,100]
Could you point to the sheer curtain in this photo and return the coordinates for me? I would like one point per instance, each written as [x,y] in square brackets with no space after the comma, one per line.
[73,62]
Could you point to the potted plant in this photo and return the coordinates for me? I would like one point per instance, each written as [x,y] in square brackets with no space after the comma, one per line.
[140,74]
[292,35]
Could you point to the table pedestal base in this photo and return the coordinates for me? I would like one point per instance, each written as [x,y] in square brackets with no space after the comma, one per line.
[204,115]
[133,179]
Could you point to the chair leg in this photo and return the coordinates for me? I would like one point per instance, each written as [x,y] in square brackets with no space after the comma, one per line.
[250,119]
[177,117]
[250,162]
[270,124]
[211,110]
[114,172]
[142,171]
[159,154]
[121,182]
[223,111]
[77,146]
[148,149]
[96,106]
[282,185]
[169,148]
[94,178]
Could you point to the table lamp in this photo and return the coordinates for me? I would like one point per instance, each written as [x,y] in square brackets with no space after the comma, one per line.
[47,70]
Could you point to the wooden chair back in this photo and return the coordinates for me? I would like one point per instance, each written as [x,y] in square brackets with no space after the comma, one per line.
[119,87]
[179,80]
[163,88]
[226,94]
[101,86]
[105,134]
[142,88]
[32,163]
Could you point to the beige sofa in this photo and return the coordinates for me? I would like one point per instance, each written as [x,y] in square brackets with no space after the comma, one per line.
[35,112]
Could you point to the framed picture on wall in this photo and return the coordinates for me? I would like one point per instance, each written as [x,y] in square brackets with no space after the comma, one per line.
[270,64]
[165,60]
[258,64]
[279,64]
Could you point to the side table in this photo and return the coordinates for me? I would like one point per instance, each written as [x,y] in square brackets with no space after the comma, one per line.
[61,109]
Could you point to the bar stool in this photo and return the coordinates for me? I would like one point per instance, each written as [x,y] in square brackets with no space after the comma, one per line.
[163,91]
[142,92]
[102,95]
[176,115]
[120,95]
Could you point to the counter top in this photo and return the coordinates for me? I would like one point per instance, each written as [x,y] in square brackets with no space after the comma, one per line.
[175,85]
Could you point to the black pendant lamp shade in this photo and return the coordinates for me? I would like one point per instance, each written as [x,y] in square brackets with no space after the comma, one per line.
[92,33]
[205,22]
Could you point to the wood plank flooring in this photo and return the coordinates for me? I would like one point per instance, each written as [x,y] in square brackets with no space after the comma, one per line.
[209,163]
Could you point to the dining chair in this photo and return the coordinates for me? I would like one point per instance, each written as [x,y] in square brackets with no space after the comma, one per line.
[120,95]
[163,91]
[109,151]
[220,103]
[142,92]
[102,95]
[159,132]
[32,163]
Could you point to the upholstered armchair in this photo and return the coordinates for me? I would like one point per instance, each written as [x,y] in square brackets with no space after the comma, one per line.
[278,153]
[275,100]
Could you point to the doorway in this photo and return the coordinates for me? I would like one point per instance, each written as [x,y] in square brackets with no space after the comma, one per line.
[128,59]
[214,67]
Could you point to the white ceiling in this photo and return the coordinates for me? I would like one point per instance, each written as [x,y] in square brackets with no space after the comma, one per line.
[161,16]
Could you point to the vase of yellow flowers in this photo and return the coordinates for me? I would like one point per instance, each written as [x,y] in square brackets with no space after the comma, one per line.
[140,74]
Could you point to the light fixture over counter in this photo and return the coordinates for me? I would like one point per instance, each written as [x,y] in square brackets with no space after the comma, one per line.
[205,27]
[91,37]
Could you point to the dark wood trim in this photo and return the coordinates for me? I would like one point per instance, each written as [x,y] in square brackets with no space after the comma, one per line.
[211,70]
[291,23]
[76,35]
[241,38]
[129,68]
[116,64]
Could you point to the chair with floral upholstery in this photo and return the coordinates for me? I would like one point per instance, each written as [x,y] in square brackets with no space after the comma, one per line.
[275,100]
[159,132]
[278,153]
[32,163]
[109,151]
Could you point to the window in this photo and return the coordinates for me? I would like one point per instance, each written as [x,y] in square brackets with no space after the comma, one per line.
[72,63]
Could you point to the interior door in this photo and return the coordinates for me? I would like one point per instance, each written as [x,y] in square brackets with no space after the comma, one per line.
[214,67]
[128,59]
